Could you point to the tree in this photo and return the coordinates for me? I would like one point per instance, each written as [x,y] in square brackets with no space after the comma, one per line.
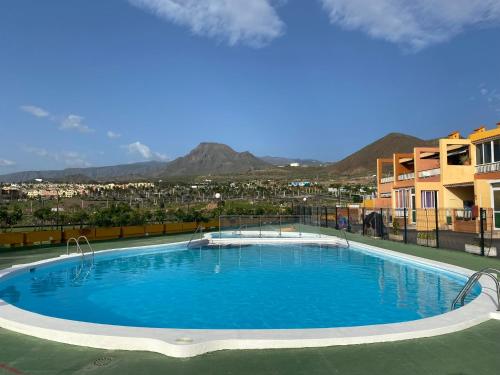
[43,215]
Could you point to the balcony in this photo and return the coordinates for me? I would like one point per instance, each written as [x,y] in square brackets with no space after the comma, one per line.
[386,180]
[490,167]
[406,176]
[429,173]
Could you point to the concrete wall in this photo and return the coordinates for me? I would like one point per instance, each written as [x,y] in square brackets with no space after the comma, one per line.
[16,239]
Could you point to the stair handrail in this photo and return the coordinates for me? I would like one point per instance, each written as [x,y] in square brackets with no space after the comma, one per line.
[199,228]
[490,272]
[345,236]
[88,244]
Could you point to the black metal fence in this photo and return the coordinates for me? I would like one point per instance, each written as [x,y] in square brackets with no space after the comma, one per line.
[471,230]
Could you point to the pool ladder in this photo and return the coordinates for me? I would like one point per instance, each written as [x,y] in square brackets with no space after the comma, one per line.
[198,229]
[345,237]
[79,249]
[491,273]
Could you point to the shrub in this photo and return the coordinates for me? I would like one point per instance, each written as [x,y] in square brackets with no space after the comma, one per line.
[395,227]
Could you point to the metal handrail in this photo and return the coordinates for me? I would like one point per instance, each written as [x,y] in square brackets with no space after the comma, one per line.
[200,227]
[78,247]
[472,281]
[88,244]
[69,241]
[241,227]
[345,237]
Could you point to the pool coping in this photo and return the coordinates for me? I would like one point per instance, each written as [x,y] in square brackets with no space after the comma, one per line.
[191,342]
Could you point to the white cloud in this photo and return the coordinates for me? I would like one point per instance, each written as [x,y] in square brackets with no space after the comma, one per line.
[6,163]
[74,122]
[35,111]
[251,22]
[162,157]
[113,135]
[492,97]
[71,159]
[69,122]
[144,151]
[413,24]
[141,149]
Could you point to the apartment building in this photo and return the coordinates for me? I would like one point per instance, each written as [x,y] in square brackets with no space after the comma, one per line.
[442,176]
[487,170]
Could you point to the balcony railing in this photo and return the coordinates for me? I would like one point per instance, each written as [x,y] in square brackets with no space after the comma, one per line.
[406,176]
[490,167]
[386,180]
[429,173]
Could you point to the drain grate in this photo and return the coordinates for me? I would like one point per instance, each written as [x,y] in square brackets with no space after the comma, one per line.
[102,362]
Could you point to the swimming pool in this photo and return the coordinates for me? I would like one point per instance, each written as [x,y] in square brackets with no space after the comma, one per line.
[264,286]
[184,301]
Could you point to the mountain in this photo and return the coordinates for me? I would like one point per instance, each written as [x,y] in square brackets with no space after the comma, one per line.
[279,161]
[115,172]
[205,159]
[214,159]
[364,160]
[217,159]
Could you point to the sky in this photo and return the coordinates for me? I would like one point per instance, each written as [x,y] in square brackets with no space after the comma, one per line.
[92,82]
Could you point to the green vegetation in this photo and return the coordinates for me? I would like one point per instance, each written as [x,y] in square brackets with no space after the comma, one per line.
[395,227]
[10,217]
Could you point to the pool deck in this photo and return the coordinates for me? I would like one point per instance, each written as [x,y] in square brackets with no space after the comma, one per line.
[472,351]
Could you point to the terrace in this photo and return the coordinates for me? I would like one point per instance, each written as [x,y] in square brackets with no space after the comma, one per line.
[447,354]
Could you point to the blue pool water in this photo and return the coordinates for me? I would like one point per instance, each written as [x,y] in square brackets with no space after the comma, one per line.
[252,287]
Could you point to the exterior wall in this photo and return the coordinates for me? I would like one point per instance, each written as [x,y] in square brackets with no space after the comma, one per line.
[14,239]
[426,164]
[384,187]
[455,197]
[456,174]
[482,190]
[400,169]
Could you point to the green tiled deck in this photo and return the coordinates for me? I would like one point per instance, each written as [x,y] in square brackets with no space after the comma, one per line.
[474,351]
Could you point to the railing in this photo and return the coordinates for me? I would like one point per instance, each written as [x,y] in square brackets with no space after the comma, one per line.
[200,229]
[345,237]
[386,180]
[406,176]
[83,263]
[463,214]
[429,173]
[490,272]
[490,167]
[78,247]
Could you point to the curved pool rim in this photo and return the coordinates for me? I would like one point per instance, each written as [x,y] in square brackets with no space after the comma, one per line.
[191,342]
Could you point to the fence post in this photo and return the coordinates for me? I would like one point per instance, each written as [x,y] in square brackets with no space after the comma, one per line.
[381,224]
[405,225]
[482,215]
[326,216]
[436,214]
[363,219]
[336,217]
[260,226]
[280,225]
[348,220]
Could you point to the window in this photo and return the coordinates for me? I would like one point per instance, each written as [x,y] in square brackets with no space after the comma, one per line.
[496,150]
[428,199]
[487,152]
[479,153]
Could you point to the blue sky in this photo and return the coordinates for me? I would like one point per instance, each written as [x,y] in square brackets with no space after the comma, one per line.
[92,82]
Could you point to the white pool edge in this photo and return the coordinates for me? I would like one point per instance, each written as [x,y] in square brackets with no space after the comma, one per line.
[191,342]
